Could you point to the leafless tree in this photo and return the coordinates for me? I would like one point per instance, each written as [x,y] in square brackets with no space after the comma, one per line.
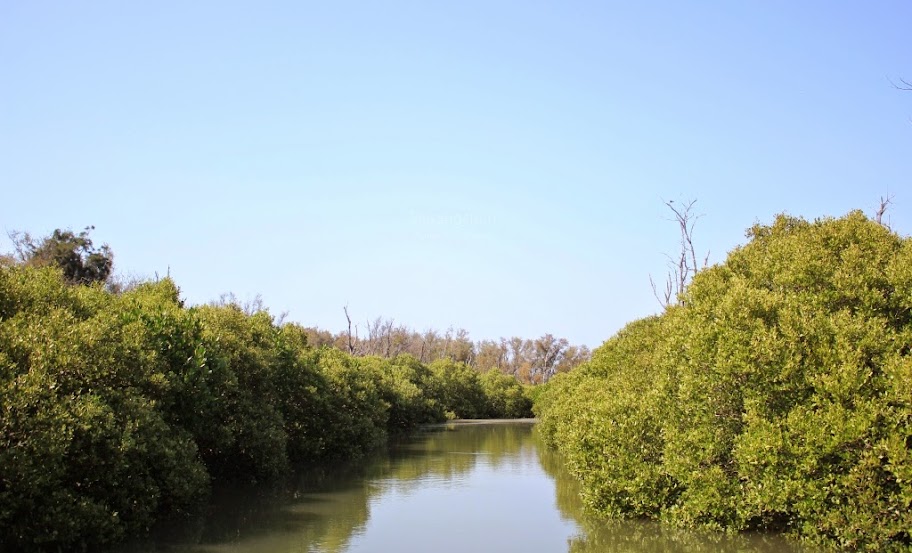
[548,352]
[23,243]
[351,342]
[683,267]
[885,202]
[383,338]
[529,360]
[248,307]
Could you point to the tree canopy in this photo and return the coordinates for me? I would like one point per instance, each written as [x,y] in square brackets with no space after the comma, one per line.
[75,255]
[119,409]
[776,396]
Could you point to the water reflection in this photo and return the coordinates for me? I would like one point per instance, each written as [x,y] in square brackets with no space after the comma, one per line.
[458,487]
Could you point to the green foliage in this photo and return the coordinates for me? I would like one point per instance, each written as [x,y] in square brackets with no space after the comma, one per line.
[458,388]
[606,418]
[356,415]
[117,410]
[408,387]
[505,397]
[248,420]
[302,393]
[74,254]
[776,397]
[85,456]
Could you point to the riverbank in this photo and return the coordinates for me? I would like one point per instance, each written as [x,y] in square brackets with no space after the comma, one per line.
[468,422]
[123,409]
[774,397]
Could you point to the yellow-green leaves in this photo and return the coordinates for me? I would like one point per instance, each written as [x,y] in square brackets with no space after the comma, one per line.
[118,409]
[777,397]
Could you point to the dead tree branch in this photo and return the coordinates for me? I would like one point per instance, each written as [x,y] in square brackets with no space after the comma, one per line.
[351,342]
[684,266]
[906,85]
[885,202]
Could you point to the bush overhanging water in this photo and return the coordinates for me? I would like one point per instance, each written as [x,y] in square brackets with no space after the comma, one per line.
[119,409]
[777,396]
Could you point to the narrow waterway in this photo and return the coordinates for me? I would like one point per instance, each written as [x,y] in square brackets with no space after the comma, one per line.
[462,487]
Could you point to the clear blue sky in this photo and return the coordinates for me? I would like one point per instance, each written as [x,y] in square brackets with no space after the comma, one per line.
[495,166]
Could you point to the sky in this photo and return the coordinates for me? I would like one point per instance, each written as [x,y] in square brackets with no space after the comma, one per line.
[497,166]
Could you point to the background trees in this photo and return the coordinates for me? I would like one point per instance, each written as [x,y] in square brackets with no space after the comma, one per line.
[531,361]
[74,254]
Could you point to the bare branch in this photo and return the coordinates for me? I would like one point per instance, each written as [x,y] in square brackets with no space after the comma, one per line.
[666,294]
[885,202]
[682,268]
[351,343]
[23,243]
[906,85]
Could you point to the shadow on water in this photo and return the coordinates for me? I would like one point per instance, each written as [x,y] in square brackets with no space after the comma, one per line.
[454,487]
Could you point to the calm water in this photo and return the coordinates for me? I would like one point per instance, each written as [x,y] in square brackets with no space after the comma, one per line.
[464,487]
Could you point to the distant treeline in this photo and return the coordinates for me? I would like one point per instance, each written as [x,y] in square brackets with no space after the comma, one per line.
[776,395]
[530,361]
[120,409]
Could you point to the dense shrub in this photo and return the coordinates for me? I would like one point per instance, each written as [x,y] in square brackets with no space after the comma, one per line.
[457,387]
[356,415]
[408,387]
[505,397]
[119,409]
[776,397]
[86,455]
[302,393]
[607,419]
[246,413]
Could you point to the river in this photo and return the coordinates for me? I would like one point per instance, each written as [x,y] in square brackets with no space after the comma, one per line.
[462,487]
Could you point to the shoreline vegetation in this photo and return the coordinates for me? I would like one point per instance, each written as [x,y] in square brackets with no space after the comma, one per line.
[123,409]
[776,395]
